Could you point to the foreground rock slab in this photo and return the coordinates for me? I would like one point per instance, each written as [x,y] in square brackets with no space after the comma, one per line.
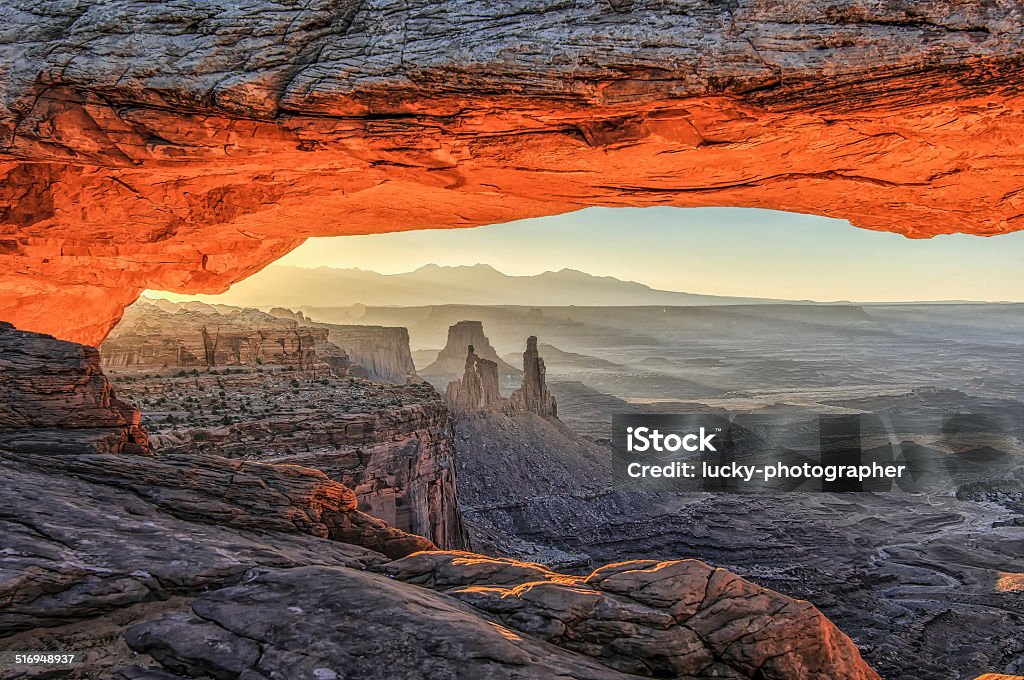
[668,619]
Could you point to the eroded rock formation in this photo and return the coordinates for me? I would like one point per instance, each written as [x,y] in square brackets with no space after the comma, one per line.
[380,353]
[276,399]
[479,388]
[225,138]
[152,336]
[451,361]
[60,416]
[54,396]
[678,619]
[533,396]
[392,445]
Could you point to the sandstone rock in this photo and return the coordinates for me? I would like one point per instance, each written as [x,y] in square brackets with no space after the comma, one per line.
[151,336]
[77,548]
[669,619]
[255,496]
[323,622]
[230,133]
[479,388]
[265,563]
[54,396]
[442,570]
[391,444]
[379,353]
[451,361]
[283,313]
[533,396]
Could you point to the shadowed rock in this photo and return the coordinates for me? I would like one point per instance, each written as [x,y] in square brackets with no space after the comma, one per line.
[478,390]
[451,361]
[533,396]
[54,397]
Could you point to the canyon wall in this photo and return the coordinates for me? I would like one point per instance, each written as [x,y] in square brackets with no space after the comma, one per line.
[379,353]
[196,563]
[139,150]
[159,336]
[392,445]
[477,390]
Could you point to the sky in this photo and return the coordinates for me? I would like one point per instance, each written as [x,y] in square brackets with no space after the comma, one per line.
[720,251]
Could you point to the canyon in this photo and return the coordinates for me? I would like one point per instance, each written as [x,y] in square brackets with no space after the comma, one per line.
[248,385]
[160,565]
[926,591]
[224,153]
[278,510]
[161,335]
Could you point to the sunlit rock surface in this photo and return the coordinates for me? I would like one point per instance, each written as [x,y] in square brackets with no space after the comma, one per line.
[154,146]
[478,389]
[163,335]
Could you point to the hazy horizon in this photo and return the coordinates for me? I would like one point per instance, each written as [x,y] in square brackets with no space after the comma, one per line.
[732,252]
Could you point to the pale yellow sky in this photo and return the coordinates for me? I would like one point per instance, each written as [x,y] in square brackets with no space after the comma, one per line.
[720,251]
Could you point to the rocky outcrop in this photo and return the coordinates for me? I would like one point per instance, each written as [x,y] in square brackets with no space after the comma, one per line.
[451,361]
[478,390]
[284,313]
[54,396]
[438,612]
[363,117]
[379,353]
[533,396]
[391,444]
[667,619]
[201,336]
[60,416]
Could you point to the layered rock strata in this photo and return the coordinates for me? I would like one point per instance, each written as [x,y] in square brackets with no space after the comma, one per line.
[194,566]
[380,353]
[391,444]
[477,392]
[152,336]
[229,134]
[54,396]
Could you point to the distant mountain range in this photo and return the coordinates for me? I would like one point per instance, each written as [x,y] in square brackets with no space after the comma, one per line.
[432,284]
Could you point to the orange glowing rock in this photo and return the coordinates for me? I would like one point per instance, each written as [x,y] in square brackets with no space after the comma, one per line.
[184,163]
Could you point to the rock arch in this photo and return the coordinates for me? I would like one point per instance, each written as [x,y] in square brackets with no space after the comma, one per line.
[143,150]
